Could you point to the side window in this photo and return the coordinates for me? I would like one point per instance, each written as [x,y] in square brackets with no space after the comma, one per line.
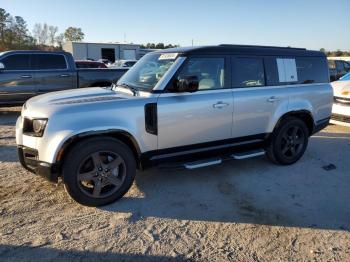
[48,61]
[248,72]
[17,62]
[311,70]
[209,71]
[340,67]
[347,66]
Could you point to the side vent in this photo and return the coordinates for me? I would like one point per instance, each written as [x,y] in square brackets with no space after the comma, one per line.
[151,120]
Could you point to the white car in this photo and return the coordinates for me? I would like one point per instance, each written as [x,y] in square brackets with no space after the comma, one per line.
[341,105]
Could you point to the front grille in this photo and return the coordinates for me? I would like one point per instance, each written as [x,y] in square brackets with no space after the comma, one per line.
[342,101]
[341,118]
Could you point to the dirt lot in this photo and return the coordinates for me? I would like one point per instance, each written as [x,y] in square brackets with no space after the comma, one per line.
[248,210]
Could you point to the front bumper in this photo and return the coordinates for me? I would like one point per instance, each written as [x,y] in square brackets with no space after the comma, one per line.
[341,114]
[28,158]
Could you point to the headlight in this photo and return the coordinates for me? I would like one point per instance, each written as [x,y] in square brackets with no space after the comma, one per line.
[34,127]
[39,126]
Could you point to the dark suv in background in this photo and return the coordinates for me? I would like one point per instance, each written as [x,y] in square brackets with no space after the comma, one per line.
[337,69]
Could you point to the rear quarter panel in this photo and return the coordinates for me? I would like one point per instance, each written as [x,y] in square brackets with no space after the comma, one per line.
[315,98]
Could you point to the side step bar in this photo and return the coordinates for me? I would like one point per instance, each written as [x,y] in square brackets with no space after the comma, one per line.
[203,163]
[217,161]
[248,154]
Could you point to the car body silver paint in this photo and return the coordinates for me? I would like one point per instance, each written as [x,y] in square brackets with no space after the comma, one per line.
[191,118]
[183,118]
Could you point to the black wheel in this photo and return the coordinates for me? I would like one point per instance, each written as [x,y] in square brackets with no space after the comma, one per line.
[98,171]
[288,142]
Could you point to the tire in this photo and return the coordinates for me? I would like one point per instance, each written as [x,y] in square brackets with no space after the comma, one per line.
[98,171]
[291,133]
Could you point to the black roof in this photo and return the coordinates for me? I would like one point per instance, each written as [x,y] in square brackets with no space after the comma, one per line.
[242,49]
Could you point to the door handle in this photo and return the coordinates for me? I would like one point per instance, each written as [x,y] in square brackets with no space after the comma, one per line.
[64,75]
[273,99]
[220,104]
[26,76]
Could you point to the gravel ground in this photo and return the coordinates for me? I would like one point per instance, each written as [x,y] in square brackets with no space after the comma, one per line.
[249,210]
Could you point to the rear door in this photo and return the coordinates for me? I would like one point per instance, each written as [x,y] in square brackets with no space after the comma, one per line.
[17,79]
[52,72]
[255,100]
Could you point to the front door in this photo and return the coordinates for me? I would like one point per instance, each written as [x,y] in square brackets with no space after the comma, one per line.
[203,116]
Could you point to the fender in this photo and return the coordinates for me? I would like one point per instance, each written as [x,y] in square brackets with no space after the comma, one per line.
[70,141]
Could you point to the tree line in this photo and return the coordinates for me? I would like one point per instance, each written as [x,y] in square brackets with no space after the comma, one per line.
[157,46]
[335,53]
[14,34]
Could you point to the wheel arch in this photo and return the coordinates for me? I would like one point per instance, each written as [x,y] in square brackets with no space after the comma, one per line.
[120,135]
[304,115]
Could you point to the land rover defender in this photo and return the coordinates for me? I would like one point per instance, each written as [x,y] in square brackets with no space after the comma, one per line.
[190,107]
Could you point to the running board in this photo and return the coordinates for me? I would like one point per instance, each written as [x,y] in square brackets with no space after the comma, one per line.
[248,154]
[217,161]
[203,163]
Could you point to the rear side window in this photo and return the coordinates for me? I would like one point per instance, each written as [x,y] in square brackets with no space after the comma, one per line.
[298,70]
[311,70]
[17,62]
[49,62]
[248,72]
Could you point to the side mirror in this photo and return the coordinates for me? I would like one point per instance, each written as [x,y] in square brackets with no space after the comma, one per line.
[187,84]
[2,66]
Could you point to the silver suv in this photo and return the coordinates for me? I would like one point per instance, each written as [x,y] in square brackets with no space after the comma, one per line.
[189,107]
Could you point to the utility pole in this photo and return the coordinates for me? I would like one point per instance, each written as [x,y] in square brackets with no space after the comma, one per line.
[192,41]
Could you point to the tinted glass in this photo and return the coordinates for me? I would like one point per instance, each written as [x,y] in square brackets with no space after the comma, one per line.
[17,62]
[248,72]
[347,66]
[46,62]
[209,71]
[311,70]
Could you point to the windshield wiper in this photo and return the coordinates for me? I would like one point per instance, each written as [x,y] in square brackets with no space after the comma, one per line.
[131,88]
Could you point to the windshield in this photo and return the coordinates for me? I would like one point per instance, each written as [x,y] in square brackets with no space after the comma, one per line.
[345,78]
[147,72]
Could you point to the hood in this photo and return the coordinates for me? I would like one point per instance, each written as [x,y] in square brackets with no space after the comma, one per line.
[42,105]
[341,88]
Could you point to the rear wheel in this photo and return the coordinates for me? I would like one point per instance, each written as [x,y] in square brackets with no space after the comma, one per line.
[98,171]
[288,142]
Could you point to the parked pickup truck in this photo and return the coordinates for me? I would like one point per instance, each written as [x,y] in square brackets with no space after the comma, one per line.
[185,107]
[24,74]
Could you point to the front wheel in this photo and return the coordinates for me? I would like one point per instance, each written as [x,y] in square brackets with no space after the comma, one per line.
[288,142]
[98,171]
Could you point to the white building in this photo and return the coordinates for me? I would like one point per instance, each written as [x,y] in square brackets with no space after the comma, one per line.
[344,58]
[96,51]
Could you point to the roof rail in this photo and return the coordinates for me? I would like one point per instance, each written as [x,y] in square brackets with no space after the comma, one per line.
[261,46]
